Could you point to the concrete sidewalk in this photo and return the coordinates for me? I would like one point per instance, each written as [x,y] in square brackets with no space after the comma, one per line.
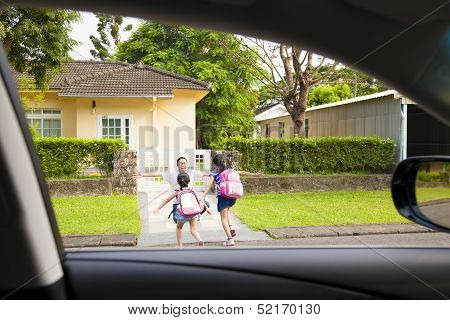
[402,240]
[285,236]
[345,230]
[110,240]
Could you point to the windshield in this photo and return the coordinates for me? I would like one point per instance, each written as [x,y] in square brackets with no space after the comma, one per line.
[154,135]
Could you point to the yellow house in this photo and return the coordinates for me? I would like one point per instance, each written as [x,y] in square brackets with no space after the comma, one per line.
[152,110]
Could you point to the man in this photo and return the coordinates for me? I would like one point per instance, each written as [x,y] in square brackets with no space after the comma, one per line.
[171,177]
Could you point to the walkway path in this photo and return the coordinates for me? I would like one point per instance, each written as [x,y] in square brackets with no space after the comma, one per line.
[158,230]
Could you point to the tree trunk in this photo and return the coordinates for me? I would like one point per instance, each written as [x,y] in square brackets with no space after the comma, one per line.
[299,121]
[299,110]
[7,42]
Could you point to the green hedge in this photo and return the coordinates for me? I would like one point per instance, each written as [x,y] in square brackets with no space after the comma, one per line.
[313,155]
[424,176]
[62,157]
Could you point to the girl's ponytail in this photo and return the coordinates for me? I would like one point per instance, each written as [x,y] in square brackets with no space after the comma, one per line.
[183,180]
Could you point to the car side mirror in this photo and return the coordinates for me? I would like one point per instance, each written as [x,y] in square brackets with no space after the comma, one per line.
[421,191]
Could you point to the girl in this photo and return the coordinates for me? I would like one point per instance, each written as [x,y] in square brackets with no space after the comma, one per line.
[223,204]
[183,181]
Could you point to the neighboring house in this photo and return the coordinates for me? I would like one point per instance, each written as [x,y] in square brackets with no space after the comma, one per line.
[385,114]
[152,110]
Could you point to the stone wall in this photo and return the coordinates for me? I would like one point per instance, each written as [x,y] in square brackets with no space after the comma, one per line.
[125,164]
[80,187]
[122,182]
[433,185]
[255,185]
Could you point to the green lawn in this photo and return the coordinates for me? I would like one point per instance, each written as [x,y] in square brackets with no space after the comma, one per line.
[427,194]
[97,214]
[322,208]
[288,174]
[77,177]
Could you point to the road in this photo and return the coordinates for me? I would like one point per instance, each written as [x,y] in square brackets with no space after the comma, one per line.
[429,239]
[437,211]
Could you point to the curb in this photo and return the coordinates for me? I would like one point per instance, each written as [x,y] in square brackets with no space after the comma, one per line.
[107,240]
[345,230]
[130,240]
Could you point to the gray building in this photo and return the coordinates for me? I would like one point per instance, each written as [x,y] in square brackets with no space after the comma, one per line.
[386,114]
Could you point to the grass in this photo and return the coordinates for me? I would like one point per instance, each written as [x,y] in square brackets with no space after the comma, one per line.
[70,177]
[288,174]
[427,194]
[97,214]
[322,208]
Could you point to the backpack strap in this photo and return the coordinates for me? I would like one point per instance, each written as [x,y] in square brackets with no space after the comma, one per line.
[172,213]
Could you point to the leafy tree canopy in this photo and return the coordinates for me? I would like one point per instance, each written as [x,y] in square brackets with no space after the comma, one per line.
[360,83]
[108,28]
[37,40]
[322,94]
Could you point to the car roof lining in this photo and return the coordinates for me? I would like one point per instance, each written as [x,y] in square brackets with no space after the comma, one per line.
[397,11]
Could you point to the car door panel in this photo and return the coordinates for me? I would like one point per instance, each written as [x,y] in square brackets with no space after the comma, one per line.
[121,279]
[338,273]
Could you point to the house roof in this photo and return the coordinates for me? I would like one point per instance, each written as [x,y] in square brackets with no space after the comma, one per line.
[280,111]
[117,79]
[276,111]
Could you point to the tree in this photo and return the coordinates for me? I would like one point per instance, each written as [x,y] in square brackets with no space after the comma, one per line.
[268,97]
[322,94]
[108,28]
[360,83]
[30,95]
[228,109]
[37,40]
[289,77]
[299,79]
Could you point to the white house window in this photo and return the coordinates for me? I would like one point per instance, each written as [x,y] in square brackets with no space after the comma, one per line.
[280,129]
[46,121]
[267,130]
[115,127]
[200,162]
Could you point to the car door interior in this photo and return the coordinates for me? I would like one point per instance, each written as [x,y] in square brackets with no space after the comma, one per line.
[35,265]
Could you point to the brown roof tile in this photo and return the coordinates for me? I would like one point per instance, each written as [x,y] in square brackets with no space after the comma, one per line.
[118,79]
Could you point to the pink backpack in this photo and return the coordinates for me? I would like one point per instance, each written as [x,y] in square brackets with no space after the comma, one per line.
[230,184]
[188,204]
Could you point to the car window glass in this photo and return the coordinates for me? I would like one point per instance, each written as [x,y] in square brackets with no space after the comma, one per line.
[140,118]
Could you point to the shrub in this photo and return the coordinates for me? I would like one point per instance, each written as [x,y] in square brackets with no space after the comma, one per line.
[424,176]
[313,155]
[61,157]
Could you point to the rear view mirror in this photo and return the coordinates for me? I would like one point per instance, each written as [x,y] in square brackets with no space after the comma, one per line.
[421,191]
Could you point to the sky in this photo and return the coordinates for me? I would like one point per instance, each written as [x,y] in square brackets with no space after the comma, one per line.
[88,26]
[81,32]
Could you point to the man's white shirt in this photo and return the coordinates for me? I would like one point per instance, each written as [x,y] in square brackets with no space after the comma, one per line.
[171,178]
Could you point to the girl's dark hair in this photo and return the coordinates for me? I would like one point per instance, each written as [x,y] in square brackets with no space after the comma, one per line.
[183,180]
[218,161]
